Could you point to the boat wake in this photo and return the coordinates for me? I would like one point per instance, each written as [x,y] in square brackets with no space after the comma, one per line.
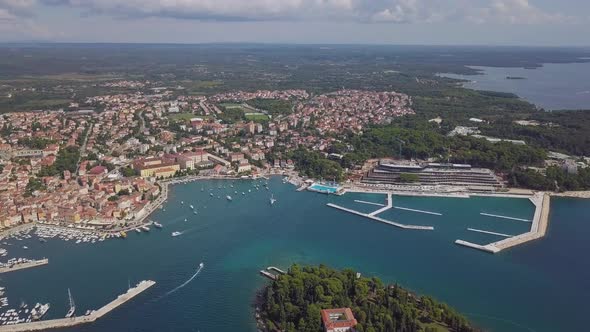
[186,282]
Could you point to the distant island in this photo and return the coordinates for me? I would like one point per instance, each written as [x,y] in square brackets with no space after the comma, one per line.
[515,78]
[318,298]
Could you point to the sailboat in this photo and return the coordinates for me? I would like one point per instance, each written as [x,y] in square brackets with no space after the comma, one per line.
[272,199]
[72,305]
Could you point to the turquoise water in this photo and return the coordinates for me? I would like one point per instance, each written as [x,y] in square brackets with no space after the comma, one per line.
[541,286]
[553,86]
[323,188]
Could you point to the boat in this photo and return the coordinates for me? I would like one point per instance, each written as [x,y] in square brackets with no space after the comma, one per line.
[174,234]
[201,265]
[228,197]
[272,199]
[42,240]
[194,212]
[25,247]
[185,219]
[72,305]
[243,193]
[211,194]
[157,225]
[39,311]
[145,228]
[192,207]
[182,202]
[123,234]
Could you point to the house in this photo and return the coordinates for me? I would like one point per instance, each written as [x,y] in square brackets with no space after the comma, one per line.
[338,320]
[244,166]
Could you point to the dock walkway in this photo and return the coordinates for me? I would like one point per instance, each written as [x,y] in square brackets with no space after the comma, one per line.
[69,322]
[373,217]
[25,265]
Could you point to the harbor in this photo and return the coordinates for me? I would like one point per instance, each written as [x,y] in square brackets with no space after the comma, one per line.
[21,264]
[539,225]
[78,320]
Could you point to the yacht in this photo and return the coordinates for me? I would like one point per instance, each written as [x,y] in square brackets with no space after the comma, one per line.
[72,305]
[228,197]
[157,225]
[39,311]
[174,234]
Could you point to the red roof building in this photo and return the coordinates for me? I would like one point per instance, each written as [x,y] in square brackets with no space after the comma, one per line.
[338,320]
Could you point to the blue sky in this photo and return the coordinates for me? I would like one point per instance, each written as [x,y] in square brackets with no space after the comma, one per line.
[496,22]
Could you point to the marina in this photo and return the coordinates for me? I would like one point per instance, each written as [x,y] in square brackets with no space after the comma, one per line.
[91,317]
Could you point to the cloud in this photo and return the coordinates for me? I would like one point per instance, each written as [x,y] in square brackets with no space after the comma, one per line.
[365,11]
[17,19]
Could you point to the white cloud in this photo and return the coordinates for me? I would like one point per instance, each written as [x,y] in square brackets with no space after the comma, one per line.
[379,11]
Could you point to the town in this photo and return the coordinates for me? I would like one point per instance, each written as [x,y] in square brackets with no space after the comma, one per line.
[101,163]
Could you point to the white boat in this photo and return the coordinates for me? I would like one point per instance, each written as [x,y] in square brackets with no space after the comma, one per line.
[185,219]
[39,311]
[228,197]
[211,194]
[272,199]
[137,230]
[201,265]
[25,247]
[72,305]
[182,202]
[192,207]
[243,193]
[174,234]
[157,225]
[145,228]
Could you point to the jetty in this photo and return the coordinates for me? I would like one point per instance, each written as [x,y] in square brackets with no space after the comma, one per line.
[538,229]
[24,265]
[266,274]
[488,232]
[370,203]
[504,217]
[418,211]
[93,316]
[373,217]
[276,269]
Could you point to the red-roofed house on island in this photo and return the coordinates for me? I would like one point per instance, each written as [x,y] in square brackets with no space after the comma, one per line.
[338,320]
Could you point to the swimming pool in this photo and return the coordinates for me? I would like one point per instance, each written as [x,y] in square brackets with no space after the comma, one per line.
[323,188]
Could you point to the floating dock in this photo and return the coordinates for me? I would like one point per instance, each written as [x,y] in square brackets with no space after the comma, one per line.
[25,265]
[419,211]
[488,232]
[538,229]
[504,217]
[373,217]
[370,203]
[385,208]
[276,269]
[69,322]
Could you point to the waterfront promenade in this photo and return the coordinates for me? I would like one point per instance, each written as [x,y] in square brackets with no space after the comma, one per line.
[538,229]
[25,265]
[93,316]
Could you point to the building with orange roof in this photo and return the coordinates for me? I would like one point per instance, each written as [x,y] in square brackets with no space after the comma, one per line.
[338,320]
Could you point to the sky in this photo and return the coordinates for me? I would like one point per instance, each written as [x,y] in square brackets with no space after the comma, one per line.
[423,22]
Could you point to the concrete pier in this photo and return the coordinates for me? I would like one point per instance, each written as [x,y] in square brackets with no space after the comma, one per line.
[274,268]
[418,211]
[69,322]
[385,208]
[504,217]
[373,217]
[538,229]
[26,265]
[488,232]
[266,274]
[370,203]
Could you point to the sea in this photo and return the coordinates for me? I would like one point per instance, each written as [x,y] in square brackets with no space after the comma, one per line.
[563,86]
[540,286]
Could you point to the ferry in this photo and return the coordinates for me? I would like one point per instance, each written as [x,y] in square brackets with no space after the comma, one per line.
[157,225]
[174,234]
[228,197]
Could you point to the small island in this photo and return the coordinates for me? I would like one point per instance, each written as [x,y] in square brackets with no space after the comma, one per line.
[515,78]
[318,298]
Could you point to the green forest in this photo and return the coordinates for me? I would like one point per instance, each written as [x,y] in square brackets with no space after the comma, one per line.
[293,303]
